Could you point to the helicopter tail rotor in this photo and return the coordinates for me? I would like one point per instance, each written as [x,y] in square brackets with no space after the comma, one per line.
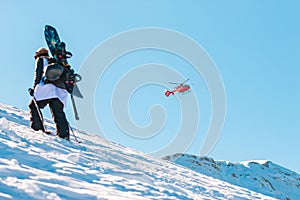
[167,93]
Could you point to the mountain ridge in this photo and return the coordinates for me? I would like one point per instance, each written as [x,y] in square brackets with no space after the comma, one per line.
[261,176]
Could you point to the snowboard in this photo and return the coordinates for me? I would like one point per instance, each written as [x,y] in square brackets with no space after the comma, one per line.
[56,46]
[60,54]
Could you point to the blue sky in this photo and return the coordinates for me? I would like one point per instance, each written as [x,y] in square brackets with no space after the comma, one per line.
[255,45]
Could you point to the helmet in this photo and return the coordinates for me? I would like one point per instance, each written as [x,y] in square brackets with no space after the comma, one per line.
[41,52]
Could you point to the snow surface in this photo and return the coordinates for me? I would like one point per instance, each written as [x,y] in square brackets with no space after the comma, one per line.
[34,165]
[258,175]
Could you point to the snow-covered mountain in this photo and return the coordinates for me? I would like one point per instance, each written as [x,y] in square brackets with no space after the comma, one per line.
[38,166]
[261,176]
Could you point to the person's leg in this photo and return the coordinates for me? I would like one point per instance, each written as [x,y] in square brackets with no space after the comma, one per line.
[62,125]
[36,122]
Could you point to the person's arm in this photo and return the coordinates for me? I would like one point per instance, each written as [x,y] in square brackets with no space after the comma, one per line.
[38,73]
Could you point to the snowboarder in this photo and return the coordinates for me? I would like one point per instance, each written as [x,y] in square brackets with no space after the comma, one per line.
[48,92]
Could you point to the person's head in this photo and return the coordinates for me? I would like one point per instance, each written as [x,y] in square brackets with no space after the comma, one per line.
[41,52]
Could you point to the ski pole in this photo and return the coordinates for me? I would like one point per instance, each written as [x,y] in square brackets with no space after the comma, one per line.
[74,134]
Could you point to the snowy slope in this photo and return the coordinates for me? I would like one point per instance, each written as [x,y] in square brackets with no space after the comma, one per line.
[38,166]
[261,176]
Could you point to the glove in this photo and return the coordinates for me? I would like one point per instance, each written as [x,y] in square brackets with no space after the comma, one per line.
[31,91]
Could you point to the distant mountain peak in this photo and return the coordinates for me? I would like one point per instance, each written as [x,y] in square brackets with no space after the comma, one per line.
[261,176]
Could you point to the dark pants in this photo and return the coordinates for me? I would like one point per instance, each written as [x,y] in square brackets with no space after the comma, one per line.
[59,117]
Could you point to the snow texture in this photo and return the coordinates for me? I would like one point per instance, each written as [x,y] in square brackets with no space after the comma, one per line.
[34,165]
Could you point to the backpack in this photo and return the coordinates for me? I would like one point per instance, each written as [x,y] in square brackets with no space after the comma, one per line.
[53,71]
[61,76]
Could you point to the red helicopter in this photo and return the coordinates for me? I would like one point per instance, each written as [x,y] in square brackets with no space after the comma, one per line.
[181,88]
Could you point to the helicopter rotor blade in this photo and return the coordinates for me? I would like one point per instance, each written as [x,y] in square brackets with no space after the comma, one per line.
[179,83]
[173,83]
[185,81]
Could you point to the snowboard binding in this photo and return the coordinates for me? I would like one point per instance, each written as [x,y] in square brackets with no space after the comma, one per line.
[71,79]
[60,53]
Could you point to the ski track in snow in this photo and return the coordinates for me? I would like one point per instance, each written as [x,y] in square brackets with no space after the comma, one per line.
[34,165]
